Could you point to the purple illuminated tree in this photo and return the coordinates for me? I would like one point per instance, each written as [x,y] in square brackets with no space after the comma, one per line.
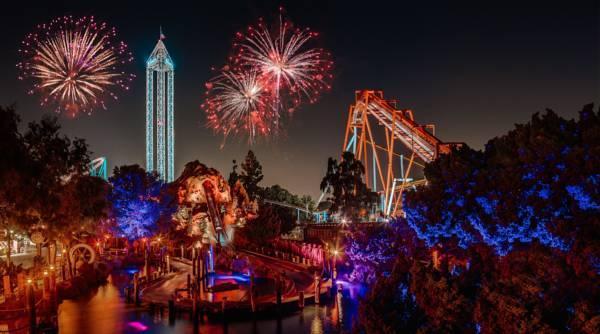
[372,251]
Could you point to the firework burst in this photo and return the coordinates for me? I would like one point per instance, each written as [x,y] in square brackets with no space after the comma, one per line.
[279,65]
[238,102]
[283,56]
[74,64]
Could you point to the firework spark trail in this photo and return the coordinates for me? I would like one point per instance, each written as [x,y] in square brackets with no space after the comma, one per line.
[238,101]
[296,71]
[74,63]
[285,70]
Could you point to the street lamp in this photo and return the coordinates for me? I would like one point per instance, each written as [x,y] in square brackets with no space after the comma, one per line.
[334,260]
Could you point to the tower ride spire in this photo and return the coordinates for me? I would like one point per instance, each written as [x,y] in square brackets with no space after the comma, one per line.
[160,130]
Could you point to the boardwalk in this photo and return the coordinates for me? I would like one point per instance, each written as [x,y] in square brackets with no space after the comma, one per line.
[297,278]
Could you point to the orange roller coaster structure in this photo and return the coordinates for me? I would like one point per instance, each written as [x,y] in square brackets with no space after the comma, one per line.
[387,170]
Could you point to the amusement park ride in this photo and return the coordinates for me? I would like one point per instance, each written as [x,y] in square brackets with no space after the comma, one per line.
[387,169]
[98,168]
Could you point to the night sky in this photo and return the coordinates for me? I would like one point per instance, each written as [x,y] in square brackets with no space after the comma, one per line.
[474,70]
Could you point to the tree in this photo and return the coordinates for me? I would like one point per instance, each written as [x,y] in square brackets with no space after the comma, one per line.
[136,196]
[511,233]
[389,307]
[84,202]
[538,183]
[251,175]
[536,291]
[288,215]
[233,176]
[43,171]
[262,230]
[16,185]
[58,162]
[372,251]
[349,195]
[445,298]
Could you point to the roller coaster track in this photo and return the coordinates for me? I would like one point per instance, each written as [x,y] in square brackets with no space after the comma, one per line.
[384,172]
[98,168]
[317,214]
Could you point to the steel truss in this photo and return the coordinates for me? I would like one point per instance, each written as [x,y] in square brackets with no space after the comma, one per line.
[387,169]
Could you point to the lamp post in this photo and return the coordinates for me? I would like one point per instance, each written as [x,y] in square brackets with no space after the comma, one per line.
[334,260]
[31,305]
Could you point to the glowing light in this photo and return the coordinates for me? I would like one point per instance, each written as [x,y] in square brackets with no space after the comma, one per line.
[74,63]
[137,325]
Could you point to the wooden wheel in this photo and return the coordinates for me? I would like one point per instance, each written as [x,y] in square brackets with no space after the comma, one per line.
[82,252]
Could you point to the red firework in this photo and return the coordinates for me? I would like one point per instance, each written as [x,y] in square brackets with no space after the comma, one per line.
[286,67]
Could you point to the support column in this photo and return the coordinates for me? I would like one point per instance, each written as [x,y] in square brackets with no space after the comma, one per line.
[149,119]
[160,124]
[170,127]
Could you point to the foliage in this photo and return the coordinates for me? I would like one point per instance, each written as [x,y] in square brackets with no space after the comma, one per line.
[136,196]
[16,185]
[84,202]
[510,236]
[349,195]
[43,181]
[371,251]
[251,175]
[262,230]
[289,215]
[58,163]
[538,182]
[233,176]
[389,307]
[534,290]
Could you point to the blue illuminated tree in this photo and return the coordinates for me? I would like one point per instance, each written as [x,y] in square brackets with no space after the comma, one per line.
[538,183]
[137,200]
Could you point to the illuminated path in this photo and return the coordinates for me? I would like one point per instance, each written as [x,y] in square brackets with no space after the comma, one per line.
[162,292]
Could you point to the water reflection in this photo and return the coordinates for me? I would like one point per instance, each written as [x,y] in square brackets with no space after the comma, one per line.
[106,312]
[83,316]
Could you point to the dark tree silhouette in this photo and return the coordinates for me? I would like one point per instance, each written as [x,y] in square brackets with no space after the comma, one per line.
[16,183]
[389,306]
[262,230]
[251,175]
[233,176]
[343,181]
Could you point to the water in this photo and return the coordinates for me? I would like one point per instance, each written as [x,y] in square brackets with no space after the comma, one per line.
[105,311]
